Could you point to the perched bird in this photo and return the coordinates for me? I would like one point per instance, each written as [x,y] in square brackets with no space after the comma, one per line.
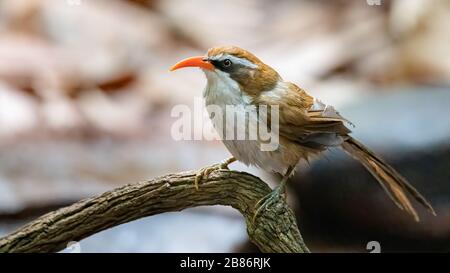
[307,127]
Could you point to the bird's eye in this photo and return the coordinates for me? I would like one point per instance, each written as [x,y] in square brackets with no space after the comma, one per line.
[226,63]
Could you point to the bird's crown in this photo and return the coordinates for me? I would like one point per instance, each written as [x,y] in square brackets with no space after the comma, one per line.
[233,51]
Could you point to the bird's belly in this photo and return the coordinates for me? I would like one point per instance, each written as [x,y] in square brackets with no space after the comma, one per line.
[248,148]
[249,152]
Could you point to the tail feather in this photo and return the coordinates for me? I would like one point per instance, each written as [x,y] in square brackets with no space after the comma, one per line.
[392,182]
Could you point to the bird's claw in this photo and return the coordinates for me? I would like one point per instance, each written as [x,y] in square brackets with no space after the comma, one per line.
[203,173]
[269,200]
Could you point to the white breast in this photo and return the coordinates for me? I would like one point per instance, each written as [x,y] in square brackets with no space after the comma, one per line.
[222,91]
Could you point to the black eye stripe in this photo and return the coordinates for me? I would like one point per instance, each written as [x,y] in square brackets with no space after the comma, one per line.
[215,63]
[224,65]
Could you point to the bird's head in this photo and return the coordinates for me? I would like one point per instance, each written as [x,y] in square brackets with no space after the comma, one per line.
[234,65]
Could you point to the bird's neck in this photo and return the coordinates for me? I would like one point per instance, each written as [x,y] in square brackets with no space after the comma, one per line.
[221,90]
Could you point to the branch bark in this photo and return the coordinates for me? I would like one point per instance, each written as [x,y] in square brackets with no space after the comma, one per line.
[274,230]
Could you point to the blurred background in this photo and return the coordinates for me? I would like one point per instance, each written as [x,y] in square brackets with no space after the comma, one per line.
[85,101]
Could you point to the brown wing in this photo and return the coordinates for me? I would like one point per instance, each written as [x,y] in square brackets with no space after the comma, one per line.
[306,120]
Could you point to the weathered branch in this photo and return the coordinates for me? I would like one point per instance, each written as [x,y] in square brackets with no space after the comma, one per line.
[274,230]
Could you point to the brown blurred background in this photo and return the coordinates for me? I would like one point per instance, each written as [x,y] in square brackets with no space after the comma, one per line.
[85,101]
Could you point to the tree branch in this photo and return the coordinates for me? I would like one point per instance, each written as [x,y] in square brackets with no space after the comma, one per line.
[274,230]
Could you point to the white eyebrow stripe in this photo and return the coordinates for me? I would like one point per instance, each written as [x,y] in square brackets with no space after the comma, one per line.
[234,59]
[217,57]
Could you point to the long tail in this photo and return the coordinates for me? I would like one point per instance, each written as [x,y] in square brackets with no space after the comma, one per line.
[392,182]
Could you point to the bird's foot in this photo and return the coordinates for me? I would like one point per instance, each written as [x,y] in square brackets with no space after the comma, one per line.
[269,200]
[203,173]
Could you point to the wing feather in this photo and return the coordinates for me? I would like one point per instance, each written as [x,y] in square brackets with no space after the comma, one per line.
[304,119]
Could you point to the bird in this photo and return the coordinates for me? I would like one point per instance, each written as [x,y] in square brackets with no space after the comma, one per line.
[307,127]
